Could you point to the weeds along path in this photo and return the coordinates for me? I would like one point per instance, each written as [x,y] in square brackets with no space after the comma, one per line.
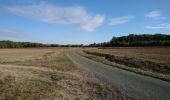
[131,84]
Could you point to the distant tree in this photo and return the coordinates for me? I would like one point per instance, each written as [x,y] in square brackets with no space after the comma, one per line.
[137,40]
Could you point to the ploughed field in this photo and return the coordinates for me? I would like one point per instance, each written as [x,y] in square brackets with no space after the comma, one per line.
[48,74]
[155,59]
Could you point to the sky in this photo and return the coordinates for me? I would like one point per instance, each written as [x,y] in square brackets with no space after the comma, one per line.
[81,21]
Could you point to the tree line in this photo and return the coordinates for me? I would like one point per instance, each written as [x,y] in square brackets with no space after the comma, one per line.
[136,40]
[12,44]
[123,41]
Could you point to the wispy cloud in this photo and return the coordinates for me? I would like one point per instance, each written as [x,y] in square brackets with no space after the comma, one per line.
[11,33]
[52,14]
[93,23]
[120,20]
[164,26]
[58,14]
[155,15]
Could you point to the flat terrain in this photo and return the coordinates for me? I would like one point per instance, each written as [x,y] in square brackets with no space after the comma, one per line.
[153,54]
[48,74]
[138,86]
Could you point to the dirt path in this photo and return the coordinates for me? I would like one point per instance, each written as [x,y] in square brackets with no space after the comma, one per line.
[131,84]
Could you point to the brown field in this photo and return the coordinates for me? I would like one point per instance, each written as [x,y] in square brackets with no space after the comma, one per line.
[154,54]
[47,74]
[155,59]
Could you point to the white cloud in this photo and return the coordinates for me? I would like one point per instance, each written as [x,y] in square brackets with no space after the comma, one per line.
[154,14]
[59,15]
[11,33]
[93,23]
[120,20]
[52,14]
[164,26]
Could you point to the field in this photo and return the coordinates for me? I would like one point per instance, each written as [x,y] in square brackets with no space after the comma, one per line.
[48,74]
[144,60]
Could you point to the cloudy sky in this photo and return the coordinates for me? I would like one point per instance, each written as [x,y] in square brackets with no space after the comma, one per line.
[81,21]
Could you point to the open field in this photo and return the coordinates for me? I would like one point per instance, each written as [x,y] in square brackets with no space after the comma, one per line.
[144,60]
[48,74]
[154,54]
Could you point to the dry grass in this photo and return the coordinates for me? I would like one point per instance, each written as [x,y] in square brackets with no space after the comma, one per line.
[11,55]
[47,74]
[13,89]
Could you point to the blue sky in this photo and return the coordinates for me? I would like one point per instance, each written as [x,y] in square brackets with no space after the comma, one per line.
[81,21]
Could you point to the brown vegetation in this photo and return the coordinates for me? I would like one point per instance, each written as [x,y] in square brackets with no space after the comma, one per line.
[36,74]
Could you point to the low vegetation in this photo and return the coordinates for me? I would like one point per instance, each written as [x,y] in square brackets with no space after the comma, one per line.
[48,74]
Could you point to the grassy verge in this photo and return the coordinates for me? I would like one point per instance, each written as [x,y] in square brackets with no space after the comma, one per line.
[121,66]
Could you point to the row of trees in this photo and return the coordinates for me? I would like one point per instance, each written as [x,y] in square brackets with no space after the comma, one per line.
[11,44]
[136,40]
[130,40]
